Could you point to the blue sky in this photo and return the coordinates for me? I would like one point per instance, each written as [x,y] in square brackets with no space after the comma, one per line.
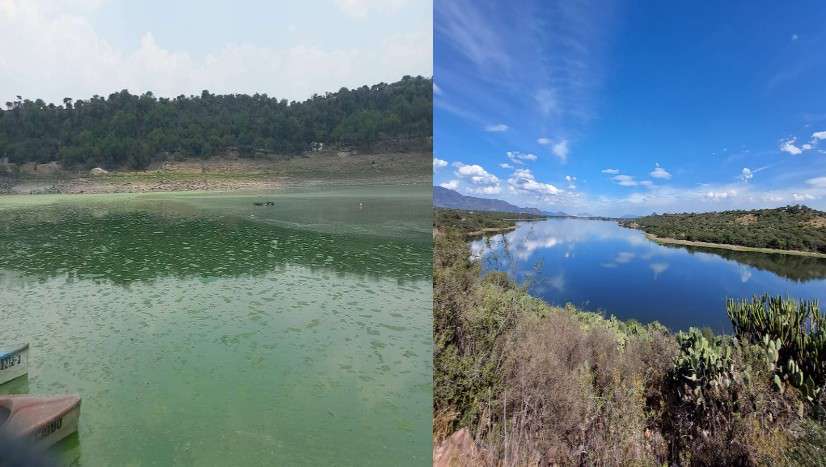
[629,107]
[76,48]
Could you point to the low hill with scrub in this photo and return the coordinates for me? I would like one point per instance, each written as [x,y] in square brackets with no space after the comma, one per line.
[787,228]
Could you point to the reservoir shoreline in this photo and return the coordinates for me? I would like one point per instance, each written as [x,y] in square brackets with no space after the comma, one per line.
[726,246]
[223,174]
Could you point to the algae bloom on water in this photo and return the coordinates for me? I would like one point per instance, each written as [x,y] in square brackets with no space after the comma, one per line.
[203,330]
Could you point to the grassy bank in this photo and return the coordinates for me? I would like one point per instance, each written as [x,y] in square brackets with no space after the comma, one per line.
[534,384]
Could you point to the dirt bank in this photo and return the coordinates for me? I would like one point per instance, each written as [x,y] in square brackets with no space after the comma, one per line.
[231,174]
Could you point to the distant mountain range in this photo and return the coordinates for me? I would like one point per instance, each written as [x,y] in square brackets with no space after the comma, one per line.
[445,198]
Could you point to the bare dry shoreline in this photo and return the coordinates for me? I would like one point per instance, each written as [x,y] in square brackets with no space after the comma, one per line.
[232,174]
[725,246]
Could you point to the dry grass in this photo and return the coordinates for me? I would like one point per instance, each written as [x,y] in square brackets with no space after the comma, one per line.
[818,222]
[746,219]
[563,384]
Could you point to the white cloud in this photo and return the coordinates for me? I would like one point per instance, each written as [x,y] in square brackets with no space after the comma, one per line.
[505,165]
[361,8]
[818,135]
[44,39]
[465,28]
[789,146]
[802,196]
[625,180]
[746,174]
[610,171]
[546,100]
[497,128]
[438,163]
[646,183]
[483,181]
[487,190]
[658,268]
[523,180]
[475,172]
[450,185]
[720,195]
[660,172]
[818,182]
[517,157]
[571,182]
[560,150]
[624,257]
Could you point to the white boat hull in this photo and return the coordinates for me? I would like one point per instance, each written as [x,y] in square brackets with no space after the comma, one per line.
[40,420]
[56,430]
[14,364]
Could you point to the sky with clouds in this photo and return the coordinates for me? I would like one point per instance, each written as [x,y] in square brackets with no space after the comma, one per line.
[629,107]
[52,49]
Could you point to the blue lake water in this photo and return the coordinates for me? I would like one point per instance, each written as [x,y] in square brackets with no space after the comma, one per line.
[600,266]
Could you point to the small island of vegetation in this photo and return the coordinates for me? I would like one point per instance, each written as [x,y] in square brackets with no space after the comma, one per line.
[786,229]
[520,382]
[476,223]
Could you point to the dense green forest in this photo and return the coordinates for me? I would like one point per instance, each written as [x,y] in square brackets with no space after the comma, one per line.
[786,228]
[125,130]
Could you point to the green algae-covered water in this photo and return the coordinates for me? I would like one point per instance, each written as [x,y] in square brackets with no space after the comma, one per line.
[201,329]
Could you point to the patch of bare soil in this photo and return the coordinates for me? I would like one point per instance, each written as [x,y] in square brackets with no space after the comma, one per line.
[746,219]
[458,450]
[817,222]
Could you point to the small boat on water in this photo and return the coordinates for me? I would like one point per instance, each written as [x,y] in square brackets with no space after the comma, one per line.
[14,363]
[43,420]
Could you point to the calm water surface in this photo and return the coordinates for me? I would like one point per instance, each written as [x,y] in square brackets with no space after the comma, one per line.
[598,265]
[204,330]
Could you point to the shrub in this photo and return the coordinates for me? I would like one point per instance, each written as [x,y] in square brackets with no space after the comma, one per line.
[571,396]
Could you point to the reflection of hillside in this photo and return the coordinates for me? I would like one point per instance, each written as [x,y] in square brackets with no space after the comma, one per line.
[797,268]
[126,246]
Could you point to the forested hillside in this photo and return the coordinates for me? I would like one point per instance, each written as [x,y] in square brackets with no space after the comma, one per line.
[787,228]
[126,130]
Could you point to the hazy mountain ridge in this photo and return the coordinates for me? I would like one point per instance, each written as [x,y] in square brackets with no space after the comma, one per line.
[446,198]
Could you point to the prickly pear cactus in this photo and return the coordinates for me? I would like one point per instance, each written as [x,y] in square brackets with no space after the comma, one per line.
[789,331]
[702,365]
